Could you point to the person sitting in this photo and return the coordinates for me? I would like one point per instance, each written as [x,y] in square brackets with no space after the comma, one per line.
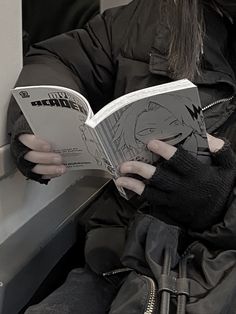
[182,223]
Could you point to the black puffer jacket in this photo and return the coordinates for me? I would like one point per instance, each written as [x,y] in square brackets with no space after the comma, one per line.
[121,51]
[125,50]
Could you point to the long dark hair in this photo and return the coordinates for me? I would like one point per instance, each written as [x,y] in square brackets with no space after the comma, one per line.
[186,23]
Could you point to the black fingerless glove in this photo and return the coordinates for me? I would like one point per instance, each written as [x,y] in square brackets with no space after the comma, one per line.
[189,192]
[18,151]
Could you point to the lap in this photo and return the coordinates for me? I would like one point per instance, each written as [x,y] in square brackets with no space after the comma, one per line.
[83,292]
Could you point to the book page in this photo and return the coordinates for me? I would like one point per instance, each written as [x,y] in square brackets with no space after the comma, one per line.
[130,98]
[173,117]
[57,115]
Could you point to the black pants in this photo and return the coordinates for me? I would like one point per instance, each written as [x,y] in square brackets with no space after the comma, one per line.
[83,292]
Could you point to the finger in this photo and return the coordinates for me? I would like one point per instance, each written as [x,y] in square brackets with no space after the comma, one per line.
[222,153]
[162,149]
[34,142]
[43,158]
[214,143]
[131,184]
[144,170]
[49,177]
[49,170]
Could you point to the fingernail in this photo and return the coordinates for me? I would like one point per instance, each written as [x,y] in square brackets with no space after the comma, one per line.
[117,181]
[61,170]
[120,169]
[125,167]
[153,144]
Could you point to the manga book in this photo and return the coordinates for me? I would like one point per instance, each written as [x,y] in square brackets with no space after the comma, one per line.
[121,130]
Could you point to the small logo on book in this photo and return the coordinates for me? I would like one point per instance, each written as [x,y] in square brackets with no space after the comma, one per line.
[24,94]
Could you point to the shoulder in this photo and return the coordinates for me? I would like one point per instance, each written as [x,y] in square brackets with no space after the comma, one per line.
[116,19]
[129,22]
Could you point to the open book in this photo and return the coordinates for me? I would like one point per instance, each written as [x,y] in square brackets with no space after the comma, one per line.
[119,131]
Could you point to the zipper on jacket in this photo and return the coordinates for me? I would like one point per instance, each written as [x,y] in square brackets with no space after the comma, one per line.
[217,102]
[117,271]
[152,300]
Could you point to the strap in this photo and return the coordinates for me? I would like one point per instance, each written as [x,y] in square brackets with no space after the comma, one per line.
[174,285]
[167,283]
[183,286]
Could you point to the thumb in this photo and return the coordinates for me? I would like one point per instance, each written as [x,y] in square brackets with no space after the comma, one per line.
[215,144]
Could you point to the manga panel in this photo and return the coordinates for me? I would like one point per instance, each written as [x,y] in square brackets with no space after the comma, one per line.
[174,117]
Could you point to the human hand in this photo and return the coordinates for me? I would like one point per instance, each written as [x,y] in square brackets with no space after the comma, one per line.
[47,163]
[147,171]
[181,187]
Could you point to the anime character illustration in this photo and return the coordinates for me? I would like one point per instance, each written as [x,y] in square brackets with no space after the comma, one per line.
[91,144]
[94,149]
[179,122]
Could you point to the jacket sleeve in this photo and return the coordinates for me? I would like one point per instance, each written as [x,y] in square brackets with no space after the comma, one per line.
[80,59]
[223,234]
